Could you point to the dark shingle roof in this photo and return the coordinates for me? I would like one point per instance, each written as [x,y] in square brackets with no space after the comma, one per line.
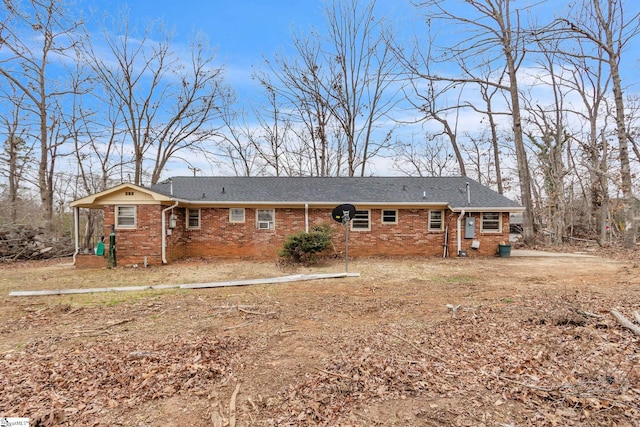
[451,191]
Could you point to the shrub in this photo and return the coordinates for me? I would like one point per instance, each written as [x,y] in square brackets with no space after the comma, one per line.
[302,247]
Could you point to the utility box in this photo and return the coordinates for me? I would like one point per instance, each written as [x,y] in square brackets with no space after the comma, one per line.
[469,227]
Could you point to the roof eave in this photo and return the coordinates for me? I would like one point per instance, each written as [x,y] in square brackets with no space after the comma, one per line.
[487,208]
[92,201]
[305,203]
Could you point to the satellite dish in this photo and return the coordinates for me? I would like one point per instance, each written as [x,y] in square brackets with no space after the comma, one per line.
[342,213]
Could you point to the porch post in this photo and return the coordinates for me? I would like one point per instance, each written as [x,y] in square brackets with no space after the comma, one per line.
[76,232]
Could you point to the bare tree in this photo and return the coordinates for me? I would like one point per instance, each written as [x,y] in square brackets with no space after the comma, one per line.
[478,151]
[491,33]
[429,157]
[431,97]
[550,138]
[271,140]
[603,23]
[168,102]
[488,93]
[303,84]
[98,152]
[633,128]
[366,70]
[586,76]
[38,40]
[234,145]
[16,151]
[344,79]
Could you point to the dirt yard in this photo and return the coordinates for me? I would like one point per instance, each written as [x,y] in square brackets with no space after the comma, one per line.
[414,342]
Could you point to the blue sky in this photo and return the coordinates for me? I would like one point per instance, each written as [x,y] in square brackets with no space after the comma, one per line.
[242,31]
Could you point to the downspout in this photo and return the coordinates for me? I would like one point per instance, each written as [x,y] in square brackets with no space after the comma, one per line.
[164,232]
[306,217]
[458,231]
[76,232]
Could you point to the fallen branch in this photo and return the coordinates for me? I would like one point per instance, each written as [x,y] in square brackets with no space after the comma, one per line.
[241,325]
[232,407]
[140,354]
[216,416]
[625,323]
[426,353]
[102,330]
[75,310]
[216,420]
[636,316]
[90,332]
[335,374]
[111,325]
[256,312]
[253,404]
[231,306]
[587,314]
[535,387]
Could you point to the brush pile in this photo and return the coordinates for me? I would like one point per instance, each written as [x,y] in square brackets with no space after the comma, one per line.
[20,242]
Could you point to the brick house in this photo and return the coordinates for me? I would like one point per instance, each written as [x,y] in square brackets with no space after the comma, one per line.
[250,217]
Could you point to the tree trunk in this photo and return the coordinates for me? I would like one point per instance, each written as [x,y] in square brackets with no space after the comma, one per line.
[496,148]
[521,154]
[629,239]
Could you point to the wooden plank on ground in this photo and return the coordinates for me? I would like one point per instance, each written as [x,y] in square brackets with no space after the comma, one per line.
[86,290]
[245,282]
[269,280]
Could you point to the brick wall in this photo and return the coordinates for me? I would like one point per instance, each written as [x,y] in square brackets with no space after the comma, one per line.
[145,240]
[90,261]
[217,237]
[488,241]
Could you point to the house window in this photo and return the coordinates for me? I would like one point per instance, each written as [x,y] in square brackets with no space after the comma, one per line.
[236,215]
[265,219]
[491,222]
[360,221]
[193,218]
[436,220]
[389,216]
[126,216]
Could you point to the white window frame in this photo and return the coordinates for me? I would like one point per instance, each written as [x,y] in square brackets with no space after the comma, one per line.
[485,220]
[265,224]
[362,216]
[383,216]
[188,218]
[119,216]
[431,220]
[237,211]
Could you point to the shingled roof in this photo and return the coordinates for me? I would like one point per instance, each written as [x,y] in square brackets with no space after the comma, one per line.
[449,191]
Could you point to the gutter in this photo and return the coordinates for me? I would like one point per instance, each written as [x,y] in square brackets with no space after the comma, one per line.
[458,231]
[295,203]
[306,217]
[164,232]
[487,209]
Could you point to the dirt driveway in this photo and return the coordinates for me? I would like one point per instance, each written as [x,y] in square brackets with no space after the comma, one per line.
[412,342]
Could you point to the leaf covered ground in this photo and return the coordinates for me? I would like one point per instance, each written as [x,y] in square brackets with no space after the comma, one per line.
[412,342]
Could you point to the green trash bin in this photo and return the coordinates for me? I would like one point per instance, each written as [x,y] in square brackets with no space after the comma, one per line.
[100,249]
[504,251]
